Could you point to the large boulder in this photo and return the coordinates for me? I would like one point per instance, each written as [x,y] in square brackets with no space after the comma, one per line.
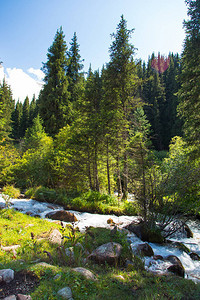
[107,253]
[62,215]
[145,250]
[176,267]
[145,233]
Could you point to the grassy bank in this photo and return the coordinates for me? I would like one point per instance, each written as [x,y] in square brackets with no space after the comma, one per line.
[132,282]
[91,201]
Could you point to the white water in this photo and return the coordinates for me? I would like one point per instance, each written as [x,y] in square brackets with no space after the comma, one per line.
[192,268]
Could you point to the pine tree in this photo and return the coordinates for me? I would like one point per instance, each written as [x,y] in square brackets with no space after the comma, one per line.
[33,110]
[189,93]
[6,108]
[53,102]
[16,121]
[25,116]
[87,130]
[172,125]
[75,76]
[121,85]
[74,65]
[153,95]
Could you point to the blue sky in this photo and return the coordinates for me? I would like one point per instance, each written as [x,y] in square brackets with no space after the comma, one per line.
[28,28]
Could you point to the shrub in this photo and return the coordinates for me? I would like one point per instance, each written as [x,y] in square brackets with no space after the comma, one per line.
[11,191]
[42,193]
[131,208]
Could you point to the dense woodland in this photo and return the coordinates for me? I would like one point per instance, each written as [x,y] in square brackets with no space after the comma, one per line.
[131,127]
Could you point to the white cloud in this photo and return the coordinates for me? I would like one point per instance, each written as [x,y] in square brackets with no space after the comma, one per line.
[21,83]
[37,72]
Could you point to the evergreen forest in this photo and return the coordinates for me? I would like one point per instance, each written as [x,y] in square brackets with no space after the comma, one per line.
[132,127]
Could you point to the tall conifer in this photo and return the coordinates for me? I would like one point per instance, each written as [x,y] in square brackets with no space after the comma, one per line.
[53,103]
[189,93]
[6,108]
[25,116]
[121,85]
[16,121]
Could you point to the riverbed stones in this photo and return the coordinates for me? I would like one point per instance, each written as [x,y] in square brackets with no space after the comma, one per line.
[7,275]
[62,215]
[176,267]
[65,293]
[107,253]
[85,272]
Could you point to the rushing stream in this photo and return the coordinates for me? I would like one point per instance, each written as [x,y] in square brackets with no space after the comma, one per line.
[192,267]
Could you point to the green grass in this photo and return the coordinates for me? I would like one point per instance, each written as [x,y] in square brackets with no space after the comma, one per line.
[91,201]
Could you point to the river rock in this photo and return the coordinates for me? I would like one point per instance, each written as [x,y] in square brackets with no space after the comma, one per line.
[55,237]
[194,256]
[110,221]
[65,293]
[188,231]
[144,233]
[180,246]
[109,253]
[7,275]
[62,215]
[158,257]
[85,272]
[176,267]
[145,250]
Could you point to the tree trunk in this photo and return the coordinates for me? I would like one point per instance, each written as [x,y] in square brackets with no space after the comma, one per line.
[108,170]
[119,182]
[125,177]
[89,173]
[96,169]
[144,199]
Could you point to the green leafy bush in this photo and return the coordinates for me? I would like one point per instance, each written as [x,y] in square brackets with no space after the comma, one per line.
[11,191]
[45,194]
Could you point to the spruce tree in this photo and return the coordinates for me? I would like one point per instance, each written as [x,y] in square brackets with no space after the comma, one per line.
[53,102]
[87,135]
[74,64]
[16,121]
[189,93]
[33,110]
[172,125]
[121,89]
[6,108]
[25,116]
